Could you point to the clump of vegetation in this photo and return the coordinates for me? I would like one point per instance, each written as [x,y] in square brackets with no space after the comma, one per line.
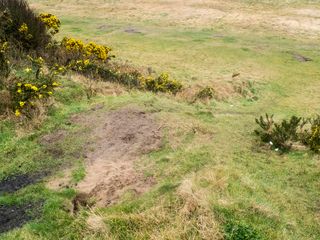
[281,136]
[241,231]
[161,83]
[51,21]
[20,26]
[23,90]
[35,85]
[206,93]
[246,89]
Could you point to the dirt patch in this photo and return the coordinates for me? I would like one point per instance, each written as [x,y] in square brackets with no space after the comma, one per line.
[17,182]
[115,140]
[301,58]
[16,216]
[132,30]
[53,138]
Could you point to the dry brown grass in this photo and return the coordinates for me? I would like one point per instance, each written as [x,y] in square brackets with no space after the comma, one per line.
[97,87]
[187,218]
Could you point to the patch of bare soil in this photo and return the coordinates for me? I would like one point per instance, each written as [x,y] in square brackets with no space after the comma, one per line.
[115,140]
[17,182]
[15,216]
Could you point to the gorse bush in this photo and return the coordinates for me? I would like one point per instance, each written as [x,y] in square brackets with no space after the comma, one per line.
[28,88]
[21,26]
[36,85]
[161,83]
[76,50]
[281,136]
[51,21]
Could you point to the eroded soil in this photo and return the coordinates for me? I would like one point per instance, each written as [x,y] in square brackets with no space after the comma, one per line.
[115,140]
[17,182]
[15,216]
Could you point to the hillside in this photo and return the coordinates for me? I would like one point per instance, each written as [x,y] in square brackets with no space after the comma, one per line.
[147,125]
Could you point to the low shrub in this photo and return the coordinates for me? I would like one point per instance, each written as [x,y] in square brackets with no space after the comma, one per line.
[161,83]
[206,93]
[76,50]
[21,26]
[34,87]
[131,78]
[22,90]
[281,136]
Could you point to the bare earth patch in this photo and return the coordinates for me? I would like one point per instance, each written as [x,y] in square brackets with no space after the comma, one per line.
[115,140]
[15,216]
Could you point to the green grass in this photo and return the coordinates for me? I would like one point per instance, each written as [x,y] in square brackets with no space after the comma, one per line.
[212,145]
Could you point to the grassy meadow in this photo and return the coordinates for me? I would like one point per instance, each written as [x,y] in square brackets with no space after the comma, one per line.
[210,171]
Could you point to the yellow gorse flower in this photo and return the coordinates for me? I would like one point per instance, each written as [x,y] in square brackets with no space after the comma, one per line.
[23,28]
[72,44]
[51,21]
[22,103]
[34,88]
[91,49]
[17,113]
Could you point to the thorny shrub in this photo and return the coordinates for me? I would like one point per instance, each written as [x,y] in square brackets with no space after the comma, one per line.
[281,136]
[32,85]
[19,25]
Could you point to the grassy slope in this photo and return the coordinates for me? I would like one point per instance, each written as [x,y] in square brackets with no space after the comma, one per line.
[278,195]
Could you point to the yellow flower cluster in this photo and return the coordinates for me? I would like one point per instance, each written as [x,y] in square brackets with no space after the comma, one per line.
[24,30]
[99,51]
[58,69]
[27,92]
[90,50]
[80,64]
[51,21]
[161,83]
[73,45]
